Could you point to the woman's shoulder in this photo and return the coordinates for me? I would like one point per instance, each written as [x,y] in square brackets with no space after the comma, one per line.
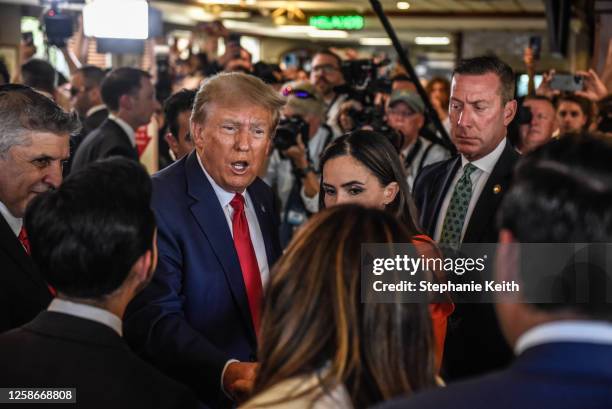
[301,393]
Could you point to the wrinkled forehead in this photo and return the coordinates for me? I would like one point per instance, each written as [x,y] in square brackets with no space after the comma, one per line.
[471,88]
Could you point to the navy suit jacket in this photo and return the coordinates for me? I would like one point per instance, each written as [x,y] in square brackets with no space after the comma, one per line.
[555,375]
[195,315]
[474,343]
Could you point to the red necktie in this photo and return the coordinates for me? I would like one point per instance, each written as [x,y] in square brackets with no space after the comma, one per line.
[23,238]
[247,258]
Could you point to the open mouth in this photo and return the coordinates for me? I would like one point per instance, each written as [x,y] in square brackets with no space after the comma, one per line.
[240,167]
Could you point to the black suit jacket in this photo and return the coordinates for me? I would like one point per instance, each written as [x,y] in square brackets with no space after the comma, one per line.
[106,141]
[60,350]
[474,343]
[23,291]
[89,124]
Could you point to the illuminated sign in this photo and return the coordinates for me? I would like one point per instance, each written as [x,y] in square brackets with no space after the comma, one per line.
[337,22]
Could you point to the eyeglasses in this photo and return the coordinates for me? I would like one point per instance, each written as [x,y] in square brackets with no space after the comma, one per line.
[298,93]
[325,68]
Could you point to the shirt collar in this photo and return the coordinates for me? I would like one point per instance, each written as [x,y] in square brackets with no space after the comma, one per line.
[88,312]
[592,332]
[223,195]
[95,109]
[14,223]
[487,162]
[126,128]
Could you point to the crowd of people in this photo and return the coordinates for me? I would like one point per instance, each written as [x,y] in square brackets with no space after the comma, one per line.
[233,275]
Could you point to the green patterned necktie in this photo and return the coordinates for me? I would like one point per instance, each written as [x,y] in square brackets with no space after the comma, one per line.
[457,209]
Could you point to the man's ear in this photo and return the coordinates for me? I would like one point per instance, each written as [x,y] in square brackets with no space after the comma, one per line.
[141,269]
[126,102]
[390,192]
[172,142]
[507,257]
[509,111]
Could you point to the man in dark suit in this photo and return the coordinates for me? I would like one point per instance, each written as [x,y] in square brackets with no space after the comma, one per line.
[34,134]
[218,240]
[562,193]
[86,99]
[458,199]
[130,98]
[103,231]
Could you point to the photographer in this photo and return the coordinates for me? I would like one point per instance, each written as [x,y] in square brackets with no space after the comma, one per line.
[294,164]
[326,75]
[537,123]
[405,114]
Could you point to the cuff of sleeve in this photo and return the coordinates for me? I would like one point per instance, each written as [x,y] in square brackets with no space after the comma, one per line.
[223,376]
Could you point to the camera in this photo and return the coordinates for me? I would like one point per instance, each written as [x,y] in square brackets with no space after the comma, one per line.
[524,115]
[287,132]
[58,26]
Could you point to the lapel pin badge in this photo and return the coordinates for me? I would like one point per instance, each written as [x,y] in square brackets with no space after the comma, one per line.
[263,209]
[497,189]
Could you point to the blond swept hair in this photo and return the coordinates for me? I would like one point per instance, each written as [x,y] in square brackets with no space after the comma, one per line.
[236,87]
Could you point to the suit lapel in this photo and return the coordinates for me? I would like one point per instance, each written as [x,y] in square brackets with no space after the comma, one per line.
[210,217]
[11,246]
[441,188]
[491,197]
[263,218]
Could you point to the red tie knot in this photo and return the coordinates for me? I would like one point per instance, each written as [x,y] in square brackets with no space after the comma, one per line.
[237,203]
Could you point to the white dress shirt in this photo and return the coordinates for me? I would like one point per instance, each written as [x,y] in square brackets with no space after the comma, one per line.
[88,312]
[14,223]
[590,332]
[95,109]
[225,198]
[484,167]
[126,128]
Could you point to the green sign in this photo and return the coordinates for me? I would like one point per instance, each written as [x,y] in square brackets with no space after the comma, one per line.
[336,22]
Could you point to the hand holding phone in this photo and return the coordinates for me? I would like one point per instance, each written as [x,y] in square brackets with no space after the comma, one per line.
[567,82]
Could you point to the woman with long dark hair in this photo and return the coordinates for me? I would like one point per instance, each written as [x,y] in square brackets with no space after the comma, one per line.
[320,346]
[363,167]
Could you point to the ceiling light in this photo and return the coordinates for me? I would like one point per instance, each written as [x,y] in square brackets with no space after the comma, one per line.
[327,34]
[403,5]
[432,40]
[375,41]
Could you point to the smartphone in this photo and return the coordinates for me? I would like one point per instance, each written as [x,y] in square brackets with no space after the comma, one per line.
[567,82]
[535,43]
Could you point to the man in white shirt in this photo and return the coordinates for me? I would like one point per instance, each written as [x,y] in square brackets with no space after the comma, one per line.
[458,199]
[34,134]
[562,194]
[218,239]
[130,97]
[103,233]
[326,75]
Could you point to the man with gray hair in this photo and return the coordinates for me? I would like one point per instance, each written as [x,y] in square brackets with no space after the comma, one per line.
[34,135]
[218,238]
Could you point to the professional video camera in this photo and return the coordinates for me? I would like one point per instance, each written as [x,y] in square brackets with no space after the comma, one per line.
[287,132]
[362,81]
[58,26]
